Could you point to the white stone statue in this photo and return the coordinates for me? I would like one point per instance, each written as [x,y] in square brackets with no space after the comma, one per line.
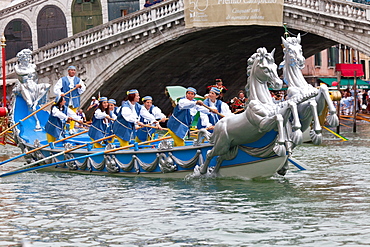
[33,93]
[309,110]
[260,116]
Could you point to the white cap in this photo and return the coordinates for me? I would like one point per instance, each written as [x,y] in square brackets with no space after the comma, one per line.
[93,98]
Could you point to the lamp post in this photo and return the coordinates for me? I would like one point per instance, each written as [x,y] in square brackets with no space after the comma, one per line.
[3,40]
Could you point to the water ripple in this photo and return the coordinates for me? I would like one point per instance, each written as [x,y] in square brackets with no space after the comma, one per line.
[327,205]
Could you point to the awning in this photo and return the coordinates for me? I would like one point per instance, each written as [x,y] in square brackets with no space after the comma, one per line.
[347,82]
[349,69]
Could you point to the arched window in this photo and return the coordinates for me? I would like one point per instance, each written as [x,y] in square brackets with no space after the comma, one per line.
[18,37]
[51,25]
[86,14]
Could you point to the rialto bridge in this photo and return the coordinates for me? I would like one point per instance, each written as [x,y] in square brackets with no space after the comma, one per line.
[151,48]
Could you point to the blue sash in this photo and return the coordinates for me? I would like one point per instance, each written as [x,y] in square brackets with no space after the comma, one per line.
[213,118]
[74,95]
[121,127]
[143,133]
[180,121]
[54,126]
[98,129]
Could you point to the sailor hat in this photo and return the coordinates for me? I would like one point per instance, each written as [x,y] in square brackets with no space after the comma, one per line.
[112,101]
[71,67]
[191,89]
[57,99]
[101,99]
[147,98]
[215,90]
[132,91]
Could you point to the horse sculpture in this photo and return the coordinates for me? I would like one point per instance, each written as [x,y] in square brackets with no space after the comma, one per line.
[310,110]
[261,115]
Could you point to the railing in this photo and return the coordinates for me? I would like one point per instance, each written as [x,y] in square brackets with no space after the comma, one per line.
[168,8]
[334,7]
[102,32]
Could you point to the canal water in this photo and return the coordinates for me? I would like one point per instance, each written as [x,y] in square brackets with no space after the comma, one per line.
[326,205]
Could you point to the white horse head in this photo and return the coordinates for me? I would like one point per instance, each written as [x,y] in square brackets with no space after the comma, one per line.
[293,51]
[262,70]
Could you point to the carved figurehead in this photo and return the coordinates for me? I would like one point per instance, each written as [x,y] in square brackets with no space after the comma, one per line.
[27,86]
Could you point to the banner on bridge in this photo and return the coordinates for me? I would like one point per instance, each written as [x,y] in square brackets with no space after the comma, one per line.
[213,13]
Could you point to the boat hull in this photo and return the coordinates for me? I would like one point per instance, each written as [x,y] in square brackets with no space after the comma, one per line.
[259,169]
[172,163]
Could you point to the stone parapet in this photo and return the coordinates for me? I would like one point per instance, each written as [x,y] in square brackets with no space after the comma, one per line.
[98,38]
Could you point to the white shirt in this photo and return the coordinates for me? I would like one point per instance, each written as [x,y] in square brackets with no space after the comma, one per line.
[129,114]
[58,86]
[157,113]
[192,106]
[94,102]
[225,110]
[55,112]
[98,114]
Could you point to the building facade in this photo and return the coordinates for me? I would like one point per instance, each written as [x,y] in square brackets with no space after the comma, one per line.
[322,64]
[34,23]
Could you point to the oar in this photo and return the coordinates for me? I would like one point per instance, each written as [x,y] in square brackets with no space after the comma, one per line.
[363,118]
[77,158]
[212,110]
[44,146]
[345,125]
[150,126]
[64,152]
[33,113]
[341,137]
[298,164]
[239,110]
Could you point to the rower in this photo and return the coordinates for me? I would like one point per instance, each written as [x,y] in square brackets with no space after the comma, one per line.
[113,109]
[145,133]
[100,122]
[182,116]
[112,106]
[57,119]
[66,83]
[128,116]
[209,120]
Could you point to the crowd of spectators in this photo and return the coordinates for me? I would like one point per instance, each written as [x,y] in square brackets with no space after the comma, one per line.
[347,103]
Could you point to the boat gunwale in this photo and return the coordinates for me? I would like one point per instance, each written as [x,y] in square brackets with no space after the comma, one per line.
[125,151]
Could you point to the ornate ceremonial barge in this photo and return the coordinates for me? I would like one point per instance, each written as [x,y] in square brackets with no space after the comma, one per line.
[255,143]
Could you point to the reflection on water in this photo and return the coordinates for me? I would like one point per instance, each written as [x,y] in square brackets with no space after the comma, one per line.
[327,205]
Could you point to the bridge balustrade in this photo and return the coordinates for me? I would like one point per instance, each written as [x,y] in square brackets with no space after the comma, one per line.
[102,32]
[334,7]
[93,36]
